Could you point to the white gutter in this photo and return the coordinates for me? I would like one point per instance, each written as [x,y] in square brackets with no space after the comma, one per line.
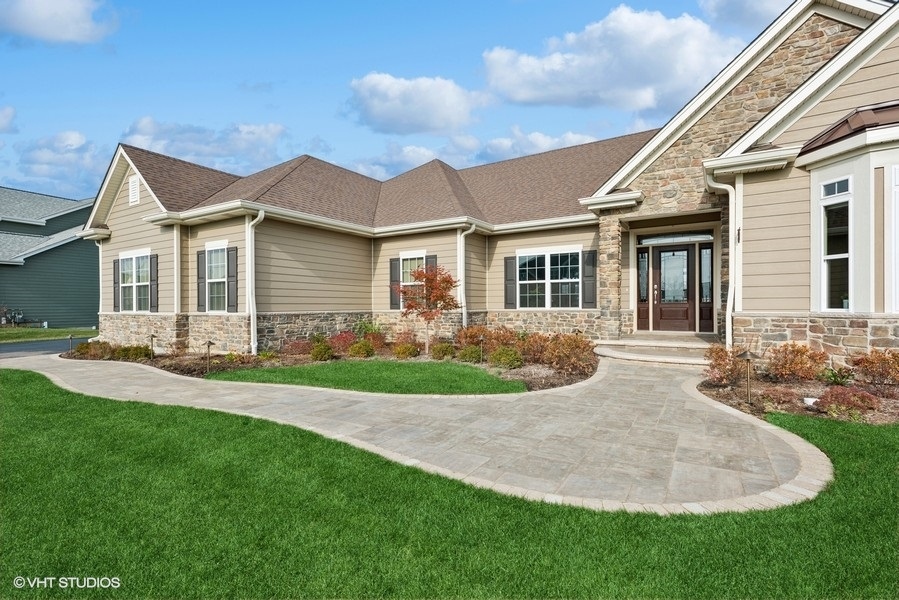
[251,277]
[732,249]
[460,269]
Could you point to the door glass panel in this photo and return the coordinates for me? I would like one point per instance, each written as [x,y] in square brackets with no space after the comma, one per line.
[673,275]
[705,274]
[643,275]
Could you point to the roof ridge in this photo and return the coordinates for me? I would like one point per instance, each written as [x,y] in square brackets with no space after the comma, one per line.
[6,187]
[181,160]
[260,191]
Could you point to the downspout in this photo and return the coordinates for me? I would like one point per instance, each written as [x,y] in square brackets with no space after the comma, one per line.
[460,269]
[251,278]
[177,266]
[731,249]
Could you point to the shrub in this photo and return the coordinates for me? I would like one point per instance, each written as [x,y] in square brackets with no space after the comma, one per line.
[533,347]
[506,357]
[405,350]
[94,350]
[724,366]
[377,340]
[340,342]
[361,349]
[406,336]
[779,395]
[838,376]
[492,338]
[789,362]
[297,347]
[879,367]
[365,327]
[442,350]
[268,355]
[318,338]
[321,352]
[570,354]
[470,354]
[850,402]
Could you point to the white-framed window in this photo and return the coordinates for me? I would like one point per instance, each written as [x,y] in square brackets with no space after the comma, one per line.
[134,281]
[409,263]
[549,277]
[836,200]
[133,190]
[217,276]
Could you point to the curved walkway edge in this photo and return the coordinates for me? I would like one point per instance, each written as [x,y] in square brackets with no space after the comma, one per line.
[633,437]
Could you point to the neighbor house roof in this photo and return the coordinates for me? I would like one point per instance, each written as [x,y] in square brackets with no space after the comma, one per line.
[542,186]
[16,247]
[33,208]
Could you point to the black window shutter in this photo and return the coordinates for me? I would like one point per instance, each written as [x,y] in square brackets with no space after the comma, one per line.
[431,261]
[394,283]
[116,297]
[201,281]
[232,279]
[511,281]
[154,283]
[589,283]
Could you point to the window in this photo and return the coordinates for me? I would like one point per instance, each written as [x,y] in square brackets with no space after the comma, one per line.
[217,278]
[401,270]
[835,204]
[133,190]
[408,266]
[549,280]
[134,282]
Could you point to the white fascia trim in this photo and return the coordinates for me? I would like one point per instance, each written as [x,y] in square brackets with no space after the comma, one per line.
[80,205]
[767,160]
[39,222]
[857,143]
[142,180]
[556,223]
[825,80]
[106,180]
[628,199]
[428,226]
[747,60]
[17,263]
[94,234]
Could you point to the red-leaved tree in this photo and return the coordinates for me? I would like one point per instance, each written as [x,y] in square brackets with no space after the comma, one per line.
[429,296]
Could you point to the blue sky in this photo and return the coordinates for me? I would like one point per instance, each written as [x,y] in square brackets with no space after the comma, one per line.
[376,87]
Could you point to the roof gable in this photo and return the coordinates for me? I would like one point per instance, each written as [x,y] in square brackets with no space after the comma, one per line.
[430,192]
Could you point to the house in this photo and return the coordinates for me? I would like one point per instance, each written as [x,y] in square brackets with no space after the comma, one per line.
[771,197]
[47,274]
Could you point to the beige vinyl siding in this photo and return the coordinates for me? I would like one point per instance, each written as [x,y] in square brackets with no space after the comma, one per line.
[441,243]
[129,231]
[231,230]
[874,83]
[305,269]
[775,242]
[476,271]
[505,245]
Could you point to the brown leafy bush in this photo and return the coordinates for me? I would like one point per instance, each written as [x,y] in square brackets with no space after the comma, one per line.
[839,401]
[533,347]
[879,367]
[492,338]
[406,336]
[506,357]
[340,342]
[405,350]
[777,395]
[94,350]
[570,354]
[377,339]
[297,347]
[724,366]
[792,361]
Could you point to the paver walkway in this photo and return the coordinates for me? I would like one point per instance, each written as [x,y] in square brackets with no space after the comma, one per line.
[633,437]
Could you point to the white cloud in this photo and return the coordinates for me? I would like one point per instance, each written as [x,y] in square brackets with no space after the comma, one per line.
[637,61]
[523,144]
[753,14]
[56,20]
[67,161]
[7,114]
[389,104]
[240,149]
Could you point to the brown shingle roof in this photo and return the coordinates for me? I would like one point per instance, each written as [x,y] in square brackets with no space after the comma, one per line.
[541,186]
[178,184]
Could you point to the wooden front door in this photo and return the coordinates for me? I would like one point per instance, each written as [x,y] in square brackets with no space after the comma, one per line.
[673,296]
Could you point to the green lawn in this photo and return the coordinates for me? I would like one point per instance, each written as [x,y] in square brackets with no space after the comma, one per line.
[28,334]
[384,376]
[179,502]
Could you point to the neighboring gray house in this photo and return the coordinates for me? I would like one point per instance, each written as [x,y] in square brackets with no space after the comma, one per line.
[46,272]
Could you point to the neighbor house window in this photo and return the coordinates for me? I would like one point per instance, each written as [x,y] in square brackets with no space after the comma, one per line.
[134,282]
[836,198]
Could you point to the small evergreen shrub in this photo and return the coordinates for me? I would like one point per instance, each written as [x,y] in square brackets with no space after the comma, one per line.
[506,357]
[321,352]
[839,401]
[570,354]
[879,367]
[365,327]
[318,338]
[442,351]
[838,376]
[724,366]
[405,350]
[792,361]
[340,342]
[470,354]
[131,353]
[361,349]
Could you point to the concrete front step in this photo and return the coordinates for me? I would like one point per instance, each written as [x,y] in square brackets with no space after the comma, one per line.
[659,348]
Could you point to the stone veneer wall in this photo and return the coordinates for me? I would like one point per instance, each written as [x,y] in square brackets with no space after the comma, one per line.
[590,323]
[229,332]
[130,329]
[273,329]
[675,182]
[839,335]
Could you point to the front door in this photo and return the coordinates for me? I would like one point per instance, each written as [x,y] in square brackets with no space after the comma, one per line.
[673,298]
